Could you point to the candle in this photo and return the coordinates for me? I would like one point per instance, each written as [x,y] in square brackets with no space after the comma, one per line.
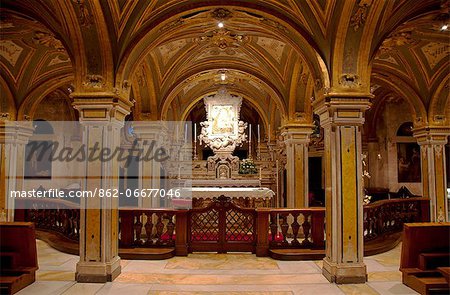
[195,132]
[250,132]
[269,133]
[259,135]
[260,173]
[185,132]
[176,132]
[278,195]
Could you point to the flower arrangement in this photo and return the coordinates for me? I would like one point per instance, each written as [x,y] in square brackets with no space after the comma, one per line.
[247,166]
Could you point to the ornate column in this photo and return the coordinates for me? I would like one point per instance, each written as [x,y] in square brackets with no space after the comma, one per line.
[342,117]
[14,136]
[296,138]
[102,116]
[432,141]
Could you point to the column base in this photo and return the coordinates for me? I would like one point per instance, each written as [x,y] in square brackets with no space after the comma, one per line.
[344,273]
[97,272]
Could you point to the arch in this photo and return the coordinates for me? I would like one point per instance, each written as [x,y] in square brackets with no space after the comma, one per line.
[10,103]
[167,100]
[65,29]
[32,100]
[404,90]
[294,35]
[440,103]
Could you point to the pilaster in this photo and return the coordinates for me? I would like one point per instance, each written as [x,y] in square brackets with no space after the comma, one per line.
[432,141]
[296,138]
[149,170]
[342,118]
[14,136]
[102,117]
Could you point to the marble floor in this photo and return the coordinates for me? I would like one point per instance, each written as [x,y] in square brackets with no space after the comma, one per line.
[202,273]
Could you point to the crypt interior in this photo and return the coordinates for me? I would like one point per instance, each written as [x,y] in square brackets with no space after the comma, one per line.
[308,132]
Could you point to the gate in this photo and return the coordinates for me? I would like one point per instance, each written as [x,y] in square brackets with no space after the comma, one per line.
[222,227]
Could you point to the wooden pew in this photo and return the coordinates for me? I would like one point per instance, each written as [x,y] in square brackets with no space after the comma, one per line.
[425,248]
[18,256]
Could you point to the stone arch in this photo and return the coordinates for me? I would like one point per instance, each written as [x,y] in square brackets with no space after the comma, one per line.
[404,90]
[439,110]
[8,104]
[292,34]
[31,102]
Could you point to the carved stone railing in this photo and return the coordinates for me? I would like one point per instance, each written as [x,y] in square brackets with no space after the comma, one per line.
[388,216]
[290,228]
[149,228]
[274,228]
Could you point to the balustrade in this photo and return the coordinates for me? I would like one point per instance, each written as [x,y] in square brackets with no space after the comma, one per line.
[273,228]
[388,216]
[146,228]
[59,216]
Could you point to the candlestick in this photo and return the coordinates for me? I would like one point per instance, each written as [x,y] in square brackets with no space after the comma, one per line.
[250,141]
[195,142]
[278,195]
[259,135]
[195,132]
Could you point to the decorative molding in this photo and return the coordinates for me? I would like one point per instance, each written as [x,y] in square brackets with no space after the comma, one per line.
[10,51]
[222,40]
[48,40]
[359,18]
[84,16]
[94,81]
[221,14]
[4,116]
[274,24]
[349,81]
[172,24]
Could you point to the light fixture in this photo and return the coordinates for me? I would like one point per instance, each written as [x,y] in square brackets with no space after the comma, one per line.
[220,24]
[223,77]
[444,27]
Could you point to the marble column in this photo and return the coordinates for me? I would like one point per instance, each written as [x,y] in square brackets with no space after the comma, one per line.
[342,118]
[101,117]
[432,141]
[296,138]
[14,136]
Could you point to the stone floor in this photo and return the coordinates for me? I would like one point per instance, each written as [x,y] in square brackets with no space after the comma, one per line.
[214,273]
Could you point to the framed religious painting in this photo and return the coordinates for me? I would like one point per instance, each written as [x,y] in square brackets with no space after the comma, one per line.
[38,160]
[408,159]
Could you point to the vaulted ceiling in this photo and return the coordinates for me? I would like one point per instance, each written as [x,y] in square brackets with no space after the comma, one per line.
[277,54]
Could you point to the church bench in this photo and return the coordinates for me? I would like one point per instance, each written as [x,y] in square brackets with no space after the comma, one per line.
[434,260]
[424,250]
[18,256]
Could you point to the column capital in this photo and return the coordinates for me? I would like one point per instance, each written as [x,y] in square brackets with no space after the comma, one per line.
[342,109]
[15,131]
[296,133]
[432,135]
[101,106]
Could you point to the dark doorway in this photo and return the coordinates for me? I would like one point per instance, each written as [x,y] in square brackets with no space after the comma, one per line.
[316,192]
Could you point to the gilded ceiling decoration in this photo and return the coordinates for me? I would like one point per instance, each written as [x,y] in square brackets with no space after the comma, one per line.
[277,54]
[29,53]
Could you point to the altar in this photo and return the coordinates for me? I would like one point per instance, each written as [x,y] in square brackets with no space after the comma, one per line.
[246,197]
